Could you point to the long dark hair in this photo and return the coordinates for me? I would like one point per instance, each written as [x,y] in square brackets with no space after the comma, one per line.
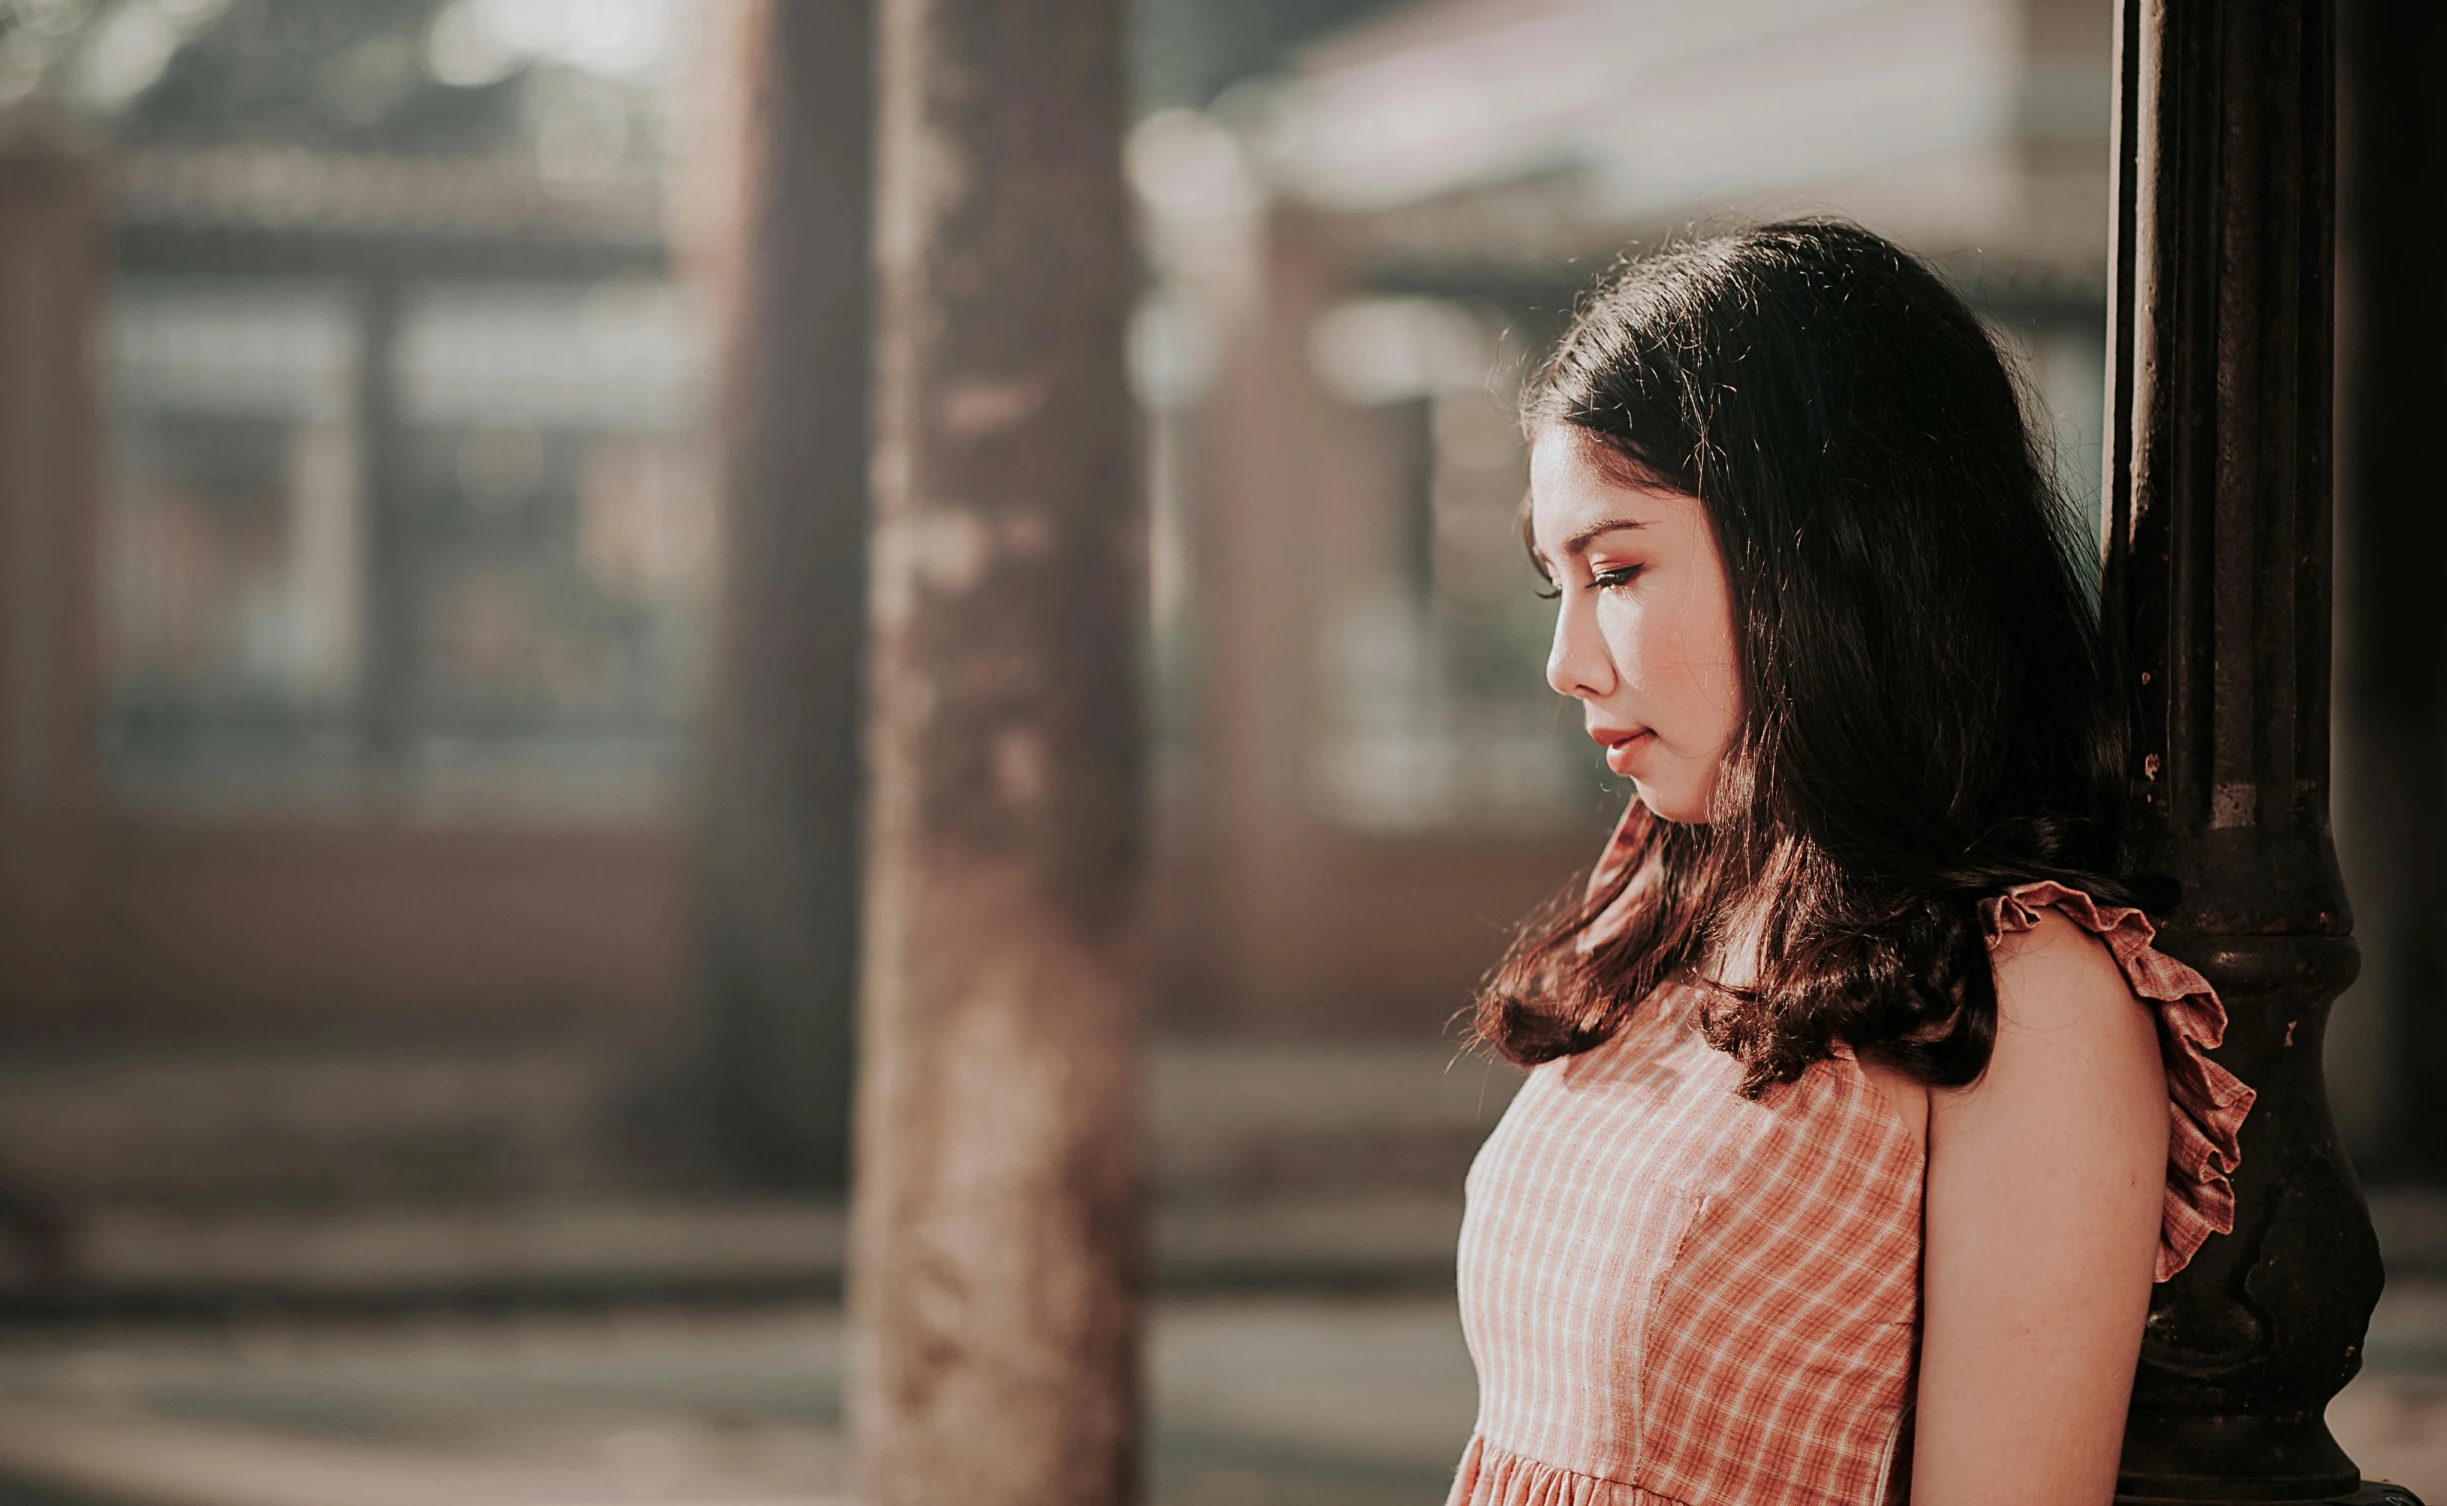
[1925,721]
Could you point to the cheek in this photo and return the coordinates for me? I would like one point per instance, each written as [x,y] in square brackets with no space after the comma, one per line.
[1676,648]
[1635,640]
[1715,681]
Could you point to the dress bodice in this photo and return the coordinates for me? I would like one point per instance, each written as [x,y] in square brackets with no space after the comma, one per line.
[1678,1295]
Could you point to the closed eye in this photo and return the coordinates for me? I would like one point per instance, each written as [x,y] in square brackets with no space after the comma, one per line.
[1620,575]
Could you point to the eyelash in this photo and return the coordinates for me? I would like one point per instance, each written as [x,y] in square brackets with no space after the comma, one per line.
[1603,580]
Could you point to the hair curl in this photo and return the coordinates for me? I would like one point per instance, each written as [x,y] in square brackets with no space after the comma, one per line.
[1925,718]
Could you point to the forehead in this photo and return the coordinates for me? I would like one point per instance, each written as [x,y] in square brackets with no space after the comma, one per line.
[1571,489]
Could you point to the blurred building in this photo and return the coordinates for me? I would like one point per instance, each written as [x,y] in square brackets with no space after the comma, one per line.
[388,566]
[355,661]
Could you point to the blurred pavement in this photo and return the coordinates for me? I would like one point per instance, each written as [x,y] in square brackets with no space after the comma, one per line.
[1256,1401]
[1289,1164]
[1304,1350]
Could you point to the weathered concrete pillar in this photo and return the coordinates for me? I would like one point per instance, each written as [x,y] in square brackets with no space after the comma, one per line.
[996,1233]
[2217,593]
[52,255]
[788,263]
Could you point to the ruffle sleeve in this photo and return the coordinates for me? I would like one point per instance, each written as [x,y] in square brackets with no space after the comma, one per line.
[2206,1104]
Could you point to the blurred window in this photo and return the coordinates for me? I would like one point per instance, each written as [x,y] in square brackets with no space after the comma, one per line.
[232,543]
[1438,716]
[544,558]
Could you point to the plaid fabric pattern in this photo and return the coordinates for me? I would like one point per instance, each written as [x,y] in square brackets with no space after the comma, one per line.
[1676,1295]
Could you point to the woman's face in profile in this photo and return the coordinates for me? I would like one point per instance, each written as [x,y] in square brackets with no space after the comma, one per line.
[1644,625]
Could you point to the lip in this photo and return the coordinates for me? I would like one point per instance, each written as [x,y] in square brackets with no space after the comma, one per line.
[1622,743]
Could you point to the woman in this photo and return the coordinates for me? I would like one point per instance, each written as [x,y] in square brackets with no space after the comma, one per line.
[1863,1115]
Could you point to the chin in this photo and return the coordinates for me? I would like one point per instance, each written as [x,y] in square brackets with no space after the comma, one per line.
[1676,806]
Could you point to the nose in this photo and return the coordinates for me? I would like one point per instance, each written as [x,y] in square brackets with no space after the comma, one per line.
[1577,663]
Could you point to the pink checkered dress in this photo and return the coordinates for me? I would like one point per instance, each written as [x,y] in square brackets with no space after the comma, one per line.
[1678,1297]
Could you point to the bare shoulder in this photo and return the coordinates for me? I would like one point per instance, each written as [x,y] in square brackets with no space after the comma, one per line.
[2069,1026]
[2057,976]
[2045,1198]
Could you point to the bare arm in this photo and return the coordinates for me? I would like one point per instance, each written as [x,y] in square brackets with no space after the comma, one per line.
[2045,1185]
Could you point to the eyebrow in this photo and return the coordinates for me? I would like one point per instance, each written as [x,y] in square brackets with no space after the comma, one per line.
[1579,543]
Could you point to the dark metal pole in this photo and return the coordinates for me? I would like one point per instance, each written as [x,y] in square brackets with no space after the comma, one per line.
[2217,595]
[778,917]
[996,1236]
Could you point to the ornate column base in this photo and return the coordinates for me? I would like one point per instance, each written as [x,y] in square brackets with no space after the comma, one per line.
[2372,1493]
